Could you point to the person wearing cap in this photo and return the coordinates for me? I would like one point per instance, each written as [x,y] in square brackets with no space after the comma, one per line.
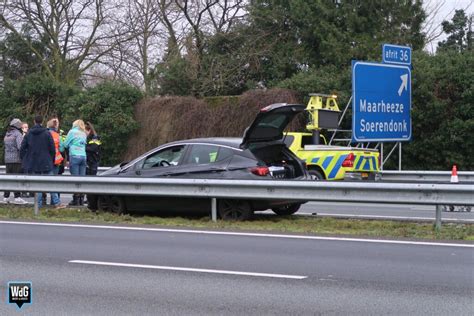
[12,144]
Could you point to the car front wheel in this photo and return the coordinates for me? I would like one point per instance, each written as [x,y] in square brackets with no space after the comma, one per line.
[103,203]
[92,202]
[117,205]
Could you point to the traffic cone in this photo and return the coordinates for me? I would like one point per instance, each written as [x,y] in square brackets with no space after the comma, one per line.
[454,175]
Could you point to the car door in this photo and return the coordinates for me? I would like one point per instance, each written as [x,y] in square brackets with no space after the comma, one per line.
[206,161]
[165,162]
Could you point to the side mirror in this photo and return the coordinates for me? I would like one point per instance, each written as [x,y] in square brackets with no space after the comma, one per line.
[123,164]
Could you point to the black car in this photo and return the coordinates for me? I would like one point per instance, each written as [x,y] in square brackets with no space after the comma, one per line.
[260,154]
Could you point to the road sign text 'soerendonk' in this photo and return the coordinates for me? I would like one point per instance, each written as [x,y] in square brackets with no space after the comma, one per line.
[381,102]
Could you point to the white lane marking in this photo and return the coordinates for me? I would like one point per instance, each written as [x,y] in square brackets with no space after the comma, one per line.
[146,266]
[210,232]
[394,217]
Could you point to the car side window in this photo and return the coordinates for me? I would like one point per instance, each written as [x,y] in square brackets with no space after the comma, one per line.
[224,153]
[205,154]
[164,158]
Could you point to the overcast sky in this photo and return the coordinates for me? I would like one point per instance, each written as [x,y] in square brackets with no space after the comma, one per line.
[445,12]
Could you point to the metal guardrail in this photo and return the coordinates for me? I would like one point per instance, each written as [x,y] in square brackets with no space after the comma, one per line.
[366,192]
[66,171]
[388,175]
[417,175]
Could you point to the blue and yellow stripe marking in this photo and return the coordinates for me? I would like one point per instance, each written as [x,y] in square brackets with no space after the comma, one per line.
[336,167]
[327,161]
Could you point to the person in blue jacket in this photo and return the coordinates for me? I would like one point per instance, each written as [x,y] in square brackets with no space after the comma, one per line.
[75,143]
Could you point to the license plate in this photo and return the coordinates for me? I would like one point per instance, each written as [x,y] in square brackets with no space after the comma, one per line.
[365,175]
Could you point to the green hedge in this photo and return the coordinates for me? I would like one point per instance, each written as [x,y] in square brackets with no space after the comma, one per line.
[108,106]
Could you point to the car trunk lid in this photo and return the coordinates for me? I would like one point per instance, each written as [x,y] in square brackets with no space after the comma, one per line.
[270,123]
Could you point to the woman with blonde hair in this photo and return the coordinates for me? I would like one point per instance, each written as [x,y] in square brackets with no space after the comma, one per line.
[75,142]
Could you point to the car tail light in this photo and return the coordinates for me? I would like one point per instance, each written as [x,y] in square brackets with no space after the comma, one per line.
[260,171]
[349,161]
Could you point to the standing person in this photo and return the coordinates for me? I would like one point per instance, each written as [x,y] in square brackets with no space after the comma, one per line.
[53,126]
[62,138]
[76,144]
[12,143]
[93,150]
[24,130]
[37,154]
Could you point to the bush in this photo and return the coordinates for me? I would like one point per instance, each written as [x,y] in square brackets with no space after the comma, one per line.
[166,119]
[108,106]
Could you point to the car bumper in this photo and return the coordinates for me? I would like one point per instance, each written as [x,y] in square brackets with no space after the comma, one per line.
[363,176]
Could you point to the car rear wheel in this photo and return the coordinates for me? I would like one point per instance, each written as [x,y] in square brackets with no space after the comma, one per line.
[287,209]
[234,210]
[117,205]
[316,175]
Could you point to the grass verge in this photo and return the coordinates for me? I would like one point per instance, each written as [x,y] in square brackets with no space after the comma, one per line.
[267,223]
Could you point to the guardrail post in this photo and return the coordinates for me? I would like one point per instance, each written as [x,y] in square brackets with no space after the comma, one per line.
[36,204]
[214,209]
[399,156]
[438,216]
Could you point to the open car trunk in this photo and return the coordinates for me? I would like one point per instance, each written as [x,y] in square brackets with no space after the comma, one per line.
[270,123]
[281,162]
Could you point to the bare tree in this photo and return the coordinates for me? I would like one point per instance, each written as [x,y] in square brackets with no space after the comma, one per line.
[436,13]
[225,13]
[206,17]
[162,31]
[77,33]
[154,32]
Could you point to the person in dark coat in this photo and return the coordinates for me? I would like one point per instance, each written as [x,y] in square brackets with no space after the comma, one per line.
[37,153]
[93,150]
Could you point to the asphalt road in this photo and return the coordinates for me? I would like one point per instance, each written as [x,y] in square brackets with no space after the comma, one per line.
[99,270]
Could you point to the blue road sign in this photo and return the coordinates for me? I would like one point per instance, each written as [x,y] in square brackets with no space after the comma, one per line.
[395,54]
[381,102]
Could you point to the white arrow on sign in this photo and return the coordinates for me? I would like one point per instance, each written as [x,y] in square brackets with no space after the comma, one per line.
[404,85]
